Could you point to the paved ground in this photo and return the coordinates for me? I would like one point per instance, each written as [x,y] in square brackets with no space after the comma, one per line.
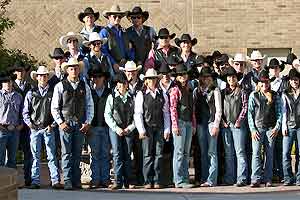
[26,194]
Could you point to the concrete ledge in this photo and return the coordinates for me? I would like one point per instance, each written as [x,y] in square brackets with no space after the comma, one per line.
[8,184]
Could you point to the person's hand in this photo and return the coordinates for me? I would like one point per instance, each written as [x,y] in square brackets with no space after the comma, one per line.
[237,124]
[194,131]
[84,128]
[167,136]
[120,132]
[255,136]
[176,131]
[274,133]
[65,127]
[126,131]
[285,133]
[214,131]
[49,128]
[142,136]
[225,124]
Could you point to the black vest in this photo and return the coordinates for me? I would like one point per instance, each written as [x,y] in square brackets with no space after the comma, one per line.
[142,44]
[232,105]
[22,92]
[73,102]
[185,105]
[265,114]
[99,107]
[293,111]
[41,108]
[123,112]
[113,44]
[161,57]
[153,110]
[102,60]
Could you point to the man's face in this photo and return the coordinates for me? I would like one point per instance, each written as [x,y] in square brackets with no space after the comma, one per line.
[7,86]
[114,19]
[151,83]
[182,79]
[20,74]
[73,71]
[131,75]
[294,82]
[164,41]
[275,71]
[265,86]
[98,81]
[239,66]
[137,20]
[165,79]
[72,44]
[232,80]
[89,20]
[122,87]
[256,64]
[96,46]
[42,79]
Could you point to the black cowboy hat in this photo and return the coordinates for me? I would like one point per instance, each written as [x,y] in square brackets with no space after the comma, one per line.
[164,68]
[96,70]
[207,71]
[57,53]
[19,65]
[222,59]
[88,11]
[263,76]
[230,71]
[181,69]
[6,76]
[216,54]
[289,59]
[275,63]
[185,38]
[120,77]
[164,32]
[137,10]
[293,74]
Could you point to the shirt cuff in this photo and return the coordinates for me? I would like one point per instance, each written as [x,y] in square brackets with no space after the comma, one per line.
[131,127]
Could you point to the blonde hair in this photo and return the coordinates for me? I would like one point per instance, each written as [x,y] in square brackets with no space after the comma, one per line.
[268,94]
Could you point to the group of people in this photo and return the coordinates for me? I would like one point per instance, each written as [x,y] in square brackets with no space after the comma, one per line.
[129,93]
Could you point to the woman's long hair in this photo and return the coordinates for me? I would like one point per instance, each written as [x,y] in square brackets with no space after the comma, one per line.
[268,94]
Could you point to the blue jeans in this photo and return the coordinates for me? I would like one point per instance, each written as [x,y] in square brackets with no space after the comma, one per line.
[122,148]
[182,147]
[71,146]
[153,155]
[24,144]
[9,141]
[209,154]
[234,140]
[99,142]
[36,138]
[268,143]
[287,143]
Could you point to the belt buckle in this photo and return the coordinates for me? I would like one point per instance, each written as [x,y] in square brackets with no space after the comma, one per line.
[11,127]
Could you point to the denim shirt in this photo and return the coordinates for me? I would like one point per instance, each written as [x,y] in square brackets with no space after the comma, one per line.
[11,104]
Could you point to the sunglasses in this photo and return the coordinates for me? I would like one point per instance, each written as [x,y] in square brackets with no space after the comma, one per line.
[74,41]
[117,16]
[136,17]
[163,37]
[96,43]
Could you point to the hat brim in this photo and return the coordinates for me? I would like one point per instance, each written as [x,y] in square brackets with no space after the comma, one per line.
[64,39]
[145,15]
[170,36]
[55,56]
[82,15]
[108,13]
[34,74]
[178,41]
[238,75]
[87,43]
[272,67]
[64,66]
[258,58]
[139,67]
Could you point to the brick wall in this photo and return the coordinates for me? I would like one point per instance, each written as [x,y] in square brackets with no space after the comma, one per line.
[8,184]
[229,25]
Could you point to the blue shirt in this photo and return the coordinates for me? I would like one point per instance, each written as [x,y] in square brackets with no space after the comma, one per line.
[118,32]
[11,104]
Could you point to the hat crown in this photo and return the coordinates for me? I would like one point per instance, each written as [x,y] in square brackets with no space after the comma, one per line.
[164,68]
[130,65]
[239,57]
[89,10]
[94,36]
[290,58]
[274,62]
[42,70]
[186,36]
[206,71]
[120,77]
[256,55]
[163,32]
[230,71]
[58,51]
[264,74]
[223,59]
[181,68]
[72,61]
[294,73]
[151,72]
[137,9]
[115,8]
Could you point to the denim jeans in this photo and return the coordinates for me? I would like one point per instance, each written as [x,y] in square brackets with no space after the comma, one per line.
[36,138]
[153,155]
[209,155]
[287,143]
[71,146]
[98,140]
[234,140]
[121,148]
[257,165]
[8,143]
[182,147]
[24,144]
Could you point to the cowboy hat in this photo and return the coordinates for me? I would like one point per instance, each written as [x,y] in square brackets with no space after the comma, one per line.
[230,71]
[96,70]
[137,10]
[256,55]
[293,74]
[164,32]
[131,66]
[94,37]
[6,76]
[88,11]
[180,69]
[222,60]
[63,40]
[289,59]
[238,57]
[40,71]
[275,63]
[164,68]
[114,10]
[72,62]
[207,71]
[120,77]
[57,53]
[19,65]
[150,73]
[185,38]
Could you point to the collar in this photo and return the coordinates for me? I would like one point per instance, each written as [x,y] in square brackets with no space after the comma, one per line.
[163,88]
[43,89]
[5,92]
[118,94]
[156,91]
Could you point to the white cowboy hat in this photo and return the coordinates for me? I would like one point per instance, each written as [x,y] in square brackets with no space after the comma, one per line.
[72,62]
[150,73]
[239,57]
[63,40]
[130,66]
[41,71]
[256,55]
[114,10]
[94,36]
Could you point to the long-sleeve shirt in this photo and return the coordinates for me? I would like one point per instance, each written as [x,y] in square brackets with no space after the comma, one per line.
[251,112]
[150,61]
[284,113]
[57,98]
[27,103]
[118,32]
[175,96]
[11,104]
[108,113]
[139,111]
